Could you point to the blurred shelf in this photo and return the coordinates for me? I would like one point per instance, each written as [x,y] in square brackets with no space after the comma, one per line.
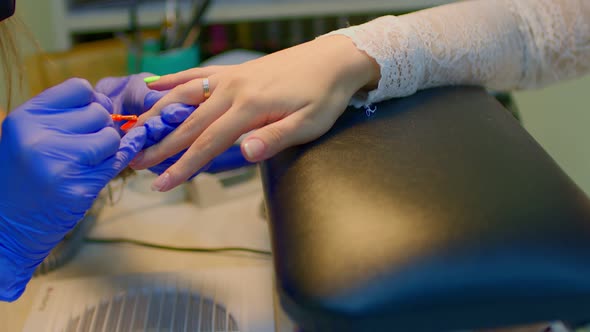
[151,14]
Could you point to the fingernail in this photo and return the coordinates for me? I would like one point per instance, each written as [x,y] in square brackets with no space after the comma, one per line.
[151,79]
[254,148]
[137,159]
[161,182]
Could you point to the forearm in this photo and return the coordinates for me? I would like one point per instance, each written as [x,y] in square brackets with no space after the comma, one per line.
[504,44]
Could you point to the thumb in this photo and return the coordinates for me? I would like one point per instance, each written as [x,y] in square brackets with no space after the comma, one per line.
[269,140]
[73,93]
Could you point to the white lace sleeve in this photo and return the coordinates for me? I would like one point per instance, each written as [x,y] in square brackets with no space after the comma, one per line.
[500,44]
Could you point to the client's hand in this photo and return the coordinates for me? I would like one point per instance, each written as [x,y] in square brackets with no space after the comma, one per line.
[288,98]
[57,152]
[171,116]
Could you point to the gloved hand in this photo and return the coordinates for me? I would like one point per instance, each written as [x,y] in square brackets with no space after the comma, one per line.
[129,94]
[57,152]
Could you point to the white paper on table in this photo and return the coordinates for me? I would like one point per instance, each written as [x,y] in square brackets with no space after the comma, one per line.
[167,219]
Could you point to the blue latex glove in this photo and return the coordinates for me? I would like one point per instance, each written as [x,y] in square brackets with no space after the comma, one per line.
[230,159]
[57,152]
[129,95]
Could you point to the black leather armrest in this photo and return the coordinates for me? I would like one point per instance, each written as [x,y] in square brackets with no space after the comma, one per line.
[440,212]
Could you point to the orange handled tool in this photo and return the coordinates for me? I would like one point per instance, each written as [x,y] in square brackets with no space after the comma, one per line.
[131,120]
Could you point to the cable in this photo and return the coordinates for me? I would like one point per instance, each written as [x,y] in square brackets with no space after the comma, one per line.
[173,248]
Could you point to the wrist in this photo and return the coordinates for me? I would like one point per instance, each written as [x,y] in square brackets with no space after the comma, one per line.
[357,67]
[353,65]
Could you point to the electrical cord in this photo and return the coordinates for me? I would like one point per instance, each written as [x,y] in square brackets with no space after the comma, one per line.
[173,248]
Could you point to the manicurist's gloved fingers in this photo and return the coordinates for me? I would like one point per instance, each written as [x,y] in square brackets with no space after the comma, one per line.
[73,93]
[93,149]
[130,145]
[157,130]
[152,97]
[112,85]
[175,114]
[138,97]
[159,127]
[128,94]
[85,120]
[128,148]
[104,101]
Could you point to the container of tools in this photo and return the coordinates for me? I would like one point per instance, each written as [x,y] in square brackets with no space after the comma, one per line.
[152,60]
[176,49]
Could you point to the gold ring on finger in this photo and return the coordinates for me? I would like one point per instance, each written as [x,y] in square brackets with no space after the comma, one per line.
[206,88]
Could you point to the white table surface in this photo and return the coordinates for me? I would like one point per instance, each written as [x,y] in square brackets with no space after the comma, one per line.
[115,259]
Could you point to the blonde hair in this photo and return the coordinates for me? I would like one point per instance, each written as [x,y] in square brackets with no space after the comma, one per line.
[10,58]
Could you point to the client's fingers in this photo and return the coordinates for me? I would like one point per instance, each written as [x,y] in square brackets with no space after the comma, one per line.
[190,93]
[267,141]
[167,82]
[214,140]
[183,136]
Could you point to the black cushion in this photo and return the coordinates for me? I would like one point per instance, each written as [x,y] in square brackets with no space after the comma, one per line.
[439,212]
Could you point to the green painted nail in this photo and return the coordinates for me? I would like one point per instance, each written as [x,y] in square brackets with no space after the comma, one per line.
[151,79]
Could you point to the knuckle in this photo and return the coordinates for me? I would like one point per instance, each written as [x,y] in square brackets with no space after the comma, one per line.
[183,93]
[205,143]
[274,135]
[250,98]
[314,129]
[235,82]
[191,124]
[79,82]
[206,147]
